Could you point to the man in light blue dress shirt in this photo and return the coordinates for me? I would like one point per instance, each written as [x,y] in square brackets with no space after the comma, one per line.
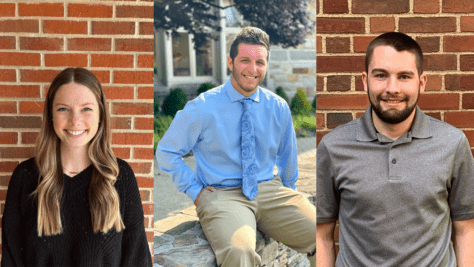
[210,125]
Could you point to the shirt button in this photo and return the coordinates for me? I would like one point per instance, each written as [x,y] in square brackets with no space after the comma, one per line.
[394,161]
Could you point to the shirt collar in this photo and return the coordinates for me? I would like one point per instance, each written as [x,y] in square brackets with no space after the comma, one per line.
[234,95]
[420,128]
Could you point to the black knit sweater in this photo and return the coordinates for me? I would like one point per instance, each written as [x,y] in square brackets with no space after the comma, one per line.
[77,245]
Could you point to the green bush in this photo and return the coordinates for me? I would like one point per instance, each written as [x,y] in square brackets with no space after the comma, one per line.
[204,87]
[281,93]
[299,104]
[174,102]
[161,125]
[156,105]
[304,122]
[314,104]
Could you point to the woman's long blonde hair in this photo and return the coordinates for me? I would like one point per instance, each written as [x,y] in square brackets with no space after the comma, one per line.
[103,197]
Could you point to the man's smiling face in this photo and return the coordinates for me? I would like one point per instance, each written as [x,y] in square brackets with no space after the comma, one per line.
[248,68]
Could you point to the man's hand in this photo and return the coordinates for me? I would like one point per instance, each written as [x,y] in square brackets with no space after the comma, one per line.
[209,188]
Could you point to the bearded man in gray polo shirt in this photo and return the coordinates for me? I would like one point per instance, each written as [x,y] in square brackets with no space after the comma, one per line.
[400,182]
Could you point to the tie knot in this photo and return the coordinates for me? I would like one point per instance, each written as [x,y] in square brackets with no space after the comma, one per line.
[246,103]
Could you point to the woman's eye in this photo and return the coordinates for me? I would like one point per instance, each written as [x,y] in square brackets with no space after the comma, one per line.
[62,109]
[87,109]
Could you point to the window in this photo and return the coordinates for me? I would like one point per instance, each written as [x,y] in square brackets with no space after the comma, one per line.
[188,62]
[181,62]
[204,59]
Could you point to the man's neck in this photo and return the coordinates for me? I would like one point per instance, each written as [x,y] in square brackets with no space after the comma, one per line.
[393,131]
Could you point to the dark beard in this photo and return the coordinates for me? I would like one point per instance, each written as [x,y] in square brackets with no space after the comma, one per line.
[392,116]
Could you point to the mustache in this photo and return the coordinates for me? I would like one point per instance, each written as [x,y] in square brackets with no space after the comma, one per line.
[392,97]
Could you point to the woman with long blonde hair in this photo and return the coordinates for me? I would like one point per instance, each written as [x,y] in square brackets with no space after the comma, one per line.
[74,203]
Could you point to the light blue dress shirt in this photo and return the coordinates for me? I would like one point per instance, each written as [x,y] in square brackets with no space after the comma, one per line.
[210,125]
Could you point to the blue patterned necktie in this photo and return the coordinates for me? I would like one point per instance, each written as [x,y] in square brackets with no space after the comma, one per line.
[249,168]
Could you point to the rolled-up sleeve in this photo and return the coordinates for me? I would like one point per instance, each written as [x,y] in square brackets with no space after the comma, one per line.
[287,157]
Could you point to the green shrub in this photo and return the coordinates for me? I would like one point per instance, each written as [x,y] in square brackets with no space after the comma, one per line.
[299,104]
[304,122]
[281,93]
[204,87]
[156,105]
[174,102]
[314,104]
[161,125]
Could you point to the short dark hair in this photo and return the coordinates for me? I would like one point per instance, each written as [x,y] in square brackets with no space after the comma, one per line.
[252,36]
[400,42]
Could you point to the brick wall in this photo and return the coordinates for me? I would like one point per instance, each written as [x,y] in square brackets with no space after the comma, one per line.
[443,28]
[113,39]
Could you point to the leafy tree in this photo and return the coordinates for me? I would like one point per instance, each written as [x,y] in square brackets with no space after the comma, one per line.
[174,102]
[204,87]
[299,104]
[286,22]
[281,93]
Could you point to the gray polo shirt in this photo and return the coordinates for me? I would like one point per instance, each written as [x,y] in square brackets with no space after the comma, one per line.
[394,199]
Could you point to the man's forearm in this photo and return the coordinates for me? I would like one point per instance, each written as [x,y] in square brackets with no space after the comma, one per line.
[463,241]
[325,253]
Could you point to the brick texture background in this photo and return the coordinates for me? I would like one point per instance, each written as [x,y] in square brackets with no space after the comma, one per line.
[443,28]
[113,39]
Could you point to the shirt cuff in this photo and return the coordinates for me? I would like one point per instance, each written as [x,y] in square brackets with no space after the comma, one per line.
[194,191]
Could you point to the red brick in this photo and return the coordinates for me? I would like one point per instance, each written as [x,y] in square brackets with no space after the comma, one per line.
[20,122]
[132,108]
[65,27]
[436,115]
[8,166]
[466,62]
[41,43]
[90,44]
[19,59]
[141,167]
[102,75]
[426,6]
[112,60]
[319,44]
[319,83]
[320,122]
[467,24]
[458,43]
[457,6]
[380,7]
[336,119]
[144,195]
[452,82]
[339,83]
[439,101]
[335,6]
[121,123]
[468,101]
[7,107]
[133,77]
[7,42]
[143,153]
[112,27]
[29,137]
[31,107]
[145,182]
[144,123]
[439,62]
[90,11]
[342,101]
[134,12]
[8,138]
[382,24]
[146,28]
[132,138]
[116,92]
[427,25]
[38,75]
[41,10]
[4,180]
[19,26]
[340,64]
[470,138]
[122,152]
[146,92]
[7,10]
[361,43]
[461,119]
[434,83]
[338,45]
[20,91]
[359,85]
[150,236]
[319,136]
[138,45]
[145,61]
[65,60]
[428,44]
[148,209]
[17,152]
[340,25]
[7,75]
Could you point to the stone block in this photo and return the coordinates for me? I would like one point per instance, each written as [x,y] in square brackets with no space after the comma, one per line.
[278,55]
[269,252]
[197,256]
[184,240]
[303,55]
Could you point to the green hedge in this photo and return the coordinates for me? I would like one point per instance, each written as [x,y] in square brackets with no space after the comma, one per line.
[204,87]
[299,104]
[281,93]
[175,101]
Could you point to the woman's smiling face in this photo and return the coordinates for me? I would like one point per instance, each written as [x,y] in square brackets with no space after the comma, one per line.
[75,115]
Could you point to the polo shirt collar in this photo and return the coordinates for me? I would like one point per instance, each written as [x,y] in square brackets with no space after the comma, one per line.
[234,95]
[420,128]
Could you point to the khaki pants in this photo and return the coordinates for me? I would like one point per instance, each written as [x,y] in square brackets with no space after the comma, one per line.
[229,221]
